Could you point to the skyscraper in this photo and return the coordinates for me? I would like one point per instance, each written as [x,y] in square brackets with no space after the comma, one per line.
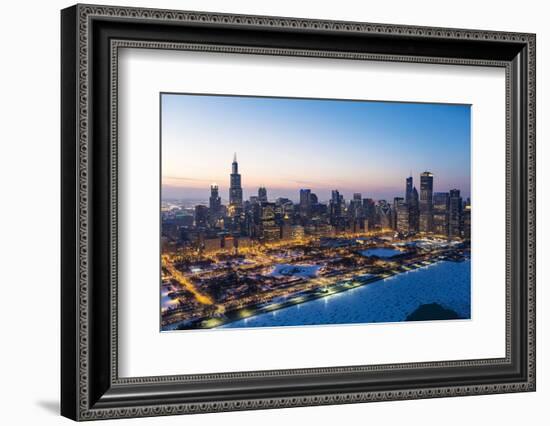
[369,211]
[402,216]
[396,202]
[413,211]
[384,214]
[455,212]
[270,230]
[201,216]
[426,202]
[235,188]
[408,189]
[467,220]
[215,200]
[262,194]
[441,213]
[305,202]
[356,207]
[335,207]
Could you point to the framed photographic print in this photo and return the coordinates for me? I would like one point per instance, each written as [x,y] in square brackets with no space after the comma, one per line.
[263,212]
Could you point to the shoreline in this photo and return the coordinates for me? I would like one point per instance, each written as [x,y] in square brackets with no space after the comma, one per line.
[307,296]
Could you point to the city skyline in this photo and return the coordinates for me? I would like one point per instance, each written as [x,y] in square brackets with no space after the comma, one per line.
[224,190]
[227,263]
[418,137]
[421,210]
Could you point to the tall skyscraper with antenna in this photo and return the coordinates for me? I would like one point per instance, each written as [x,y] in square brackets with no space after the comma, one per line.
[235,187]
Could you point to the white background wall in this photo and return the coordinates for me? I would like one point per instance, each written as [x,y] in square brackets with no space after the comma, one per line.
[29,211]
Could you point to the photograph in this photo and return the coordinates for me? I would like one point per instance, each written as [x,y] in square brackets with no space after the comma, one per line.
[280,212]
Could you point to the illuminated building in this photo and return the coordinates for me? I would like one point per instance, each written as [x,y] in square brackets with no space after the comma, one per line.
[455,212]
[305,202]
[253,221]
[384,213]
[235,189]
[467,221]
[402,215]
[270,230]
[408,189]
[337,210]
[396,202]
[212,244]
[244,242]
[369,211]
[215,200]
[441,213]
[286,229]
[425,218]
[298,232]
[366,225]
[356,207]
[336,204]
[287,207]
[313,199]
[215,205]
[262,194]
[201,216]
[413,211]
[324,230]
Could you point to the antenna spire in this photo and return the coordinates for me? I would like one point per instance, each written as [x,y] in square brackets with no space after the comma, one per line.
[235,157]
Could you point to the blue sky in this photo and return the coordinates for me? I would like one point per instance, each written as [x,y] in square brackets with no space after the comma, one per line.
[286,144]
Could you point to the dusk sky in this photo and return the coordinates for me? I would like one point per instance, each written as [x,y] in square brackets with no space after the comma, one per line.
[287,144]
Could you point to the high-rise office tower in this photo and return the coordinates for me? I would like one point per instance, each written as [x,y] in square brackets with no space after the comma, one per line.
[335,204]
[262,194]
[305,202]
[396,202]
[425,219]
[455,212]
[356,207]
[337,210]
[271,231]
[408,189]
[201,216]
[441,213]
[467,220]
[313,199]
[402,216]
[369,211]
[235,188]
[384,214]
[215,200]
[413,211]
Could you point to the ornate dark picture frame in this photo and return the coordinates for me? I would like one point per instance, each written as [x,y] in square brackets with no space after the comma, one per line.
[90,38]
